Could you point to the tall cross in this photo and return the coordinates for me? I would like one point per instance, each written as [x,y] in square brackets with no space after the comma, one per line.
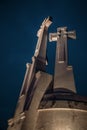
[63,76]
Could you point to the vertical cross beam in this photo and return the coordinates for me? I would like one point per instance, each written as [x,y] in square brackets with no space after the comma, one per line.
[61,38]
[63,76]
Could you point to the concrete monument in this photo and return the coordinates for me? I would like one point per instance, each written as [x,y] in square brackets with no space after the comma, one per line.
[49,102]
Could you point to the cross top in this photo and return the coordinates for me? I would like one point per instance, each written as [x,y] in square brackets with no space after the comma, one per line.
[62,31]
[61,38]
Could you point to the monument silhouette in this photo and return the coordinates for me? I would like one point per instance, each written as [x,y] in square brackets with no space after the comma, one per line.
[50,102]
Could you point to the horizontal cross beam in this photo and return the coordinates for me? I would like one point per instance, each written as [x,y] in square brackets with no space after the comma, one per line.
[62,31]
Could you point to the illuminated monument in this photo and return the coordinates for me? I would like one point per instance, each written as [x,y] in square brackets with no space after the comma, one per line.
[49,102]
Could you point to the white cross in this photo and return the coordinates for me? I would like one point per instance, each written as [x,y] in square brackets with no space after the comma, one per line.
[61,38]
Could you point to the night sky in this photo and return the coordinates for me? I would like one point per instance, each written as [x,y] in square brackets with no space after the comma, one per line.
[19,23]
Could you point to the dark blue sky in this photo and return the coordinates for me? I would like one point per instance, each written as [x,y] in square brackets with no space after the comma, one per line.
[19,22]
